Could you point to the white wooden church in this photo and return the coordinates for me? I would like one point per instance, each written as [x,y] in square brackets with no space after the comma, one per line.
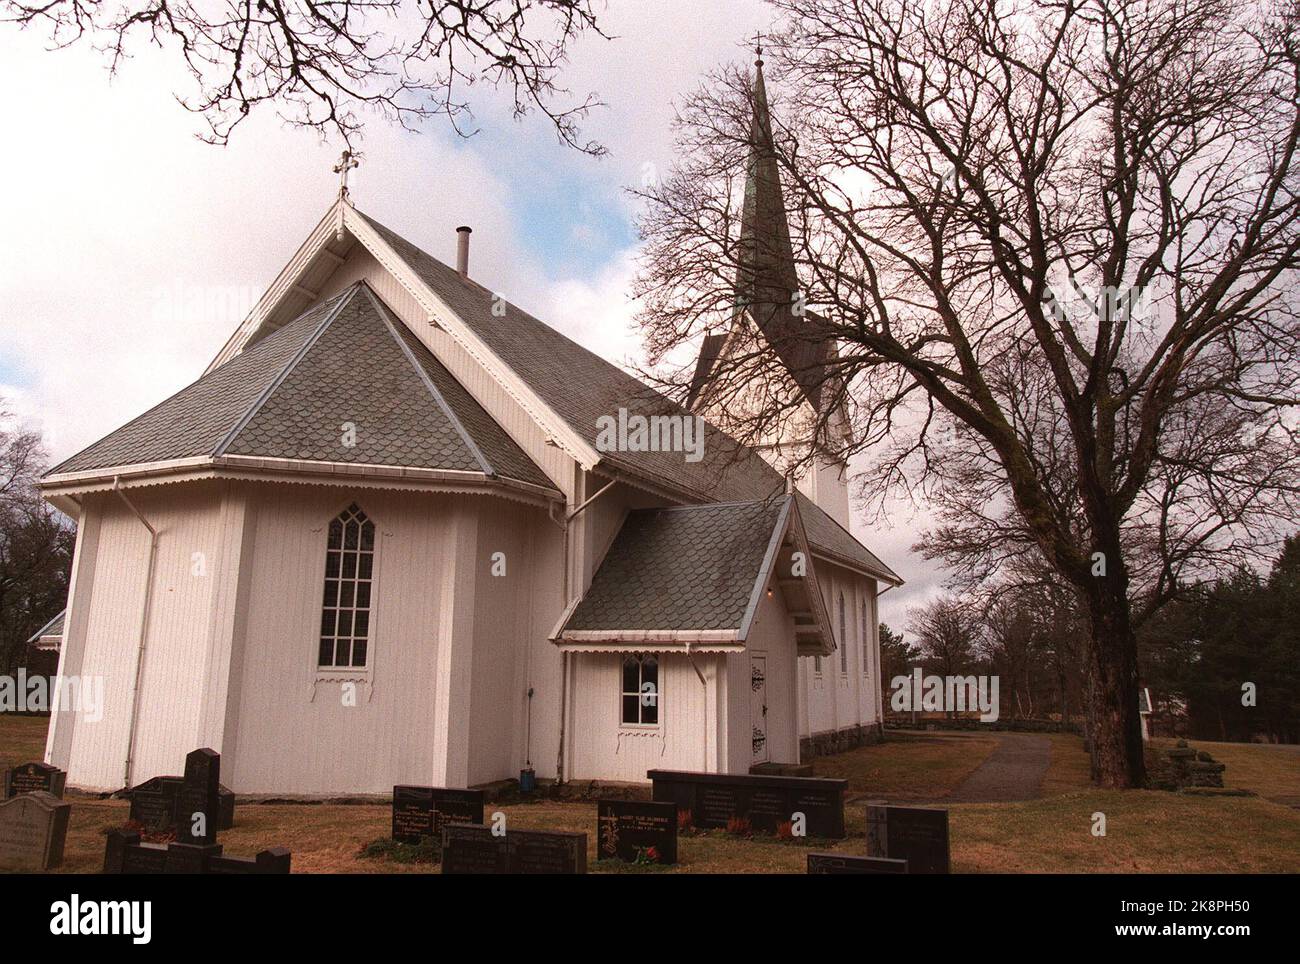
[377,542]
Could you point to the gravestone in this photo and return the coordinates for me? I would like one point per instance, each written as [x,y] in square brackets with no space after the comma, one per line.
[474,849]
[125,854]
[714,799]
[626,827]
[833,863]
[157,803]
[34,776]
[198,803]
[33,828]
[918,835]
[423,811]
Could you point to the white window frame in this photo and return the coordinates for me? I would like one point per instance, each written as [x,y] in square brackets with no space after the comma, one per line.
[335,672]
[844,642]
[640,679]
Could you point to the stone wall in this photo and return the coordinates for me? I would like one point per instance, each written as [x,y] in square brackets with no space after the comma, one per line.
[837,741]
[1180,767]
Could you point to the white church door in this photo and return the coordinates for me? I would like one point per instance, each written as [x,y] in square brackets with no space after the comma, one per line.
[758,705]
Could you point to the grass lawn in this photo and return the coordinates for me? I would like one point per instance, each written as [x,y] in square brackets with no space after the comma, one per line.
[1147,831]
[909,765]
[1271,770]
[22,739]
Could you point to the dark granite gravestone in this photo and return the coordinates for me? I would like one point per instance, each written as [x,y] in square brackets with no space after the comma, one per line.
[474,849]
[153,803]
[33,828]
[714,799]
[423,811]
[625,828]
[833,863]
[156,803]
[198,802]
[125,854]
[918,835]
[34,776]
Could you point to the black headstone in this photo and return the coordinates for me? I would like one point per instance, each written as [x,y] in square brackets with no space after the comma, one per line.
[31,777]
[474,849]
[767,802]
[833,863]
[198,804]
[918,835]
[423,811]
[125,854]
[153,803]
[626,828]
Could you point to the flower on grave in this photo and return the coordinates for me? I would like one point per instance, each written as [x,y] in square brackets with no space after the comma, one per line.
[685,821]
[740,827]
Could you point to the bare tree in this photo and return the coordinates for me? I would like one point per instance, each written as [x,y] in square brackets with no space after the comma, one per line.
[1053,244]
[35,544]
[949,632]
[320,63]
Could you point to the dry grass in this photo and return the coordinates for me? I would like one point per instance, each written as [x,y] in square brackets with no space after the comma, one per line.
[909,765]
[22,739]
[1067,771]
[1271,770]
[1147,831]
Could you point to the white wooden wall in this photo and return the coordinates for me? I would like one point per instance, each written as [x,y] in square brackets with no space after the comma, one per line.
[186,570]
[604,749]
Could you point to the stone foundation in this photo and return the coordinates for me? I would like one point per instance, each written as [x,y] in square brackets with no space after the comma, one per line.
[837,741]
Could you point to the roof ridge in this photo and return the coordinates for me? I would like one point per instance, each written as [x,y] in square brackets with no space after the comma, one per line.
[341,299]
[428,384]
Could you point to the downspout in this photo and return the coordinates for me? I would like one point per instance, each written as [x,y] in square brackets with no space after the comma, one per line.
[564,592]
[144,628]
[690,657]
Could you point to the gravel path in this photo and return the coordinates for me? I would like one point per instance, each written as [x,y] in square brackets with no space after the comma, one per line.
[1013,771]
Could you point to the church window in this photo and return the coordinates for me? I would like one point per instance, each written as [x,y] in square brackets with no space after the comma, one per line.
[640,690]
[349,575]
[844,640]
[866,636]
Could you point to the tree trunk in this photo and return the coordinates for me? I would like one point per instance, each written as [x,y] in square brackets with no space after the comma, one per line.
[1115,727]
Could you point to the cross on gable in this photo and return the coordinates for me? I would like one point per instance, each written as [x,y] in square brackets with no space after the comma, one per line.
[347,162]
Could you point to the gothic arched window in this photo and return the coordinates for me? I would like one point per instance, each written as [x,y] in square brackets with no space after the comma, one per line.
[349,574]
[844,640]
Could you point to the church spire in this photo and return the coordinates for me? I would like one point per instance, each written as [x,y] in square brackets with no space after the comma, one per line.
[765,258]
[767,285]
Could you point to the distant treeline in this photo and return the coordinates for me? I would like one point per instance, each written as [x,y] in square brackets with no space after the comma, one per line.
[1222,660]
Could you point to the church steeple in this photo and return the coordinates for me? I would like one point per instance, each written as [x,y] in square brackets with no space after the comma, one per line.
[765,273]
[767,285]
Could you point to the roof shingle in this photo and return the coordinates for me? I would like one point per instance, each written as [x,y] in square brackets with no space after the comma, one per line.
[687,568]
[581,387]
[342,383]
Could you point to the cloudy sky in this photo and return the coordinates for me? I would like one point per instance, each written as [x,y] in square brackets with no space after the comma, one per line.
[131,250]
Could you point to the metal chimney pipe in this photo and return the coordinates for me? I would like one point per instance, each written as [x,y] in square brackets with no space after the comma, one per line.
[462,250]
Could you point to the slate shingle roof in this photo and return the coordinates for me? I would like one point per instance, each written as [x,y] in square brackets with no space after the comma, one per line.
[343,372]
[194,421]
[684,568]
[581,387]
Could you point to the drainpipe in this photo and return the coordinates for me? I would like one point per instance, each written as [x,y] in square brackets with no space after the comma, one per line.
[564,591]
[144,627]
[690,657]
